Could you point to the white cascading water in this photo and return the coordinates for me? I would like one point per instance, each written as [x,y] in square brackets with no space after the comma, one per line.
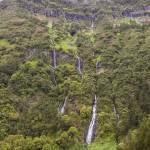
[115,111]
[31,53]
[92,123]
[97,63]
[92,25]
[85,1]
[79,64]
[62,109]
[54,59]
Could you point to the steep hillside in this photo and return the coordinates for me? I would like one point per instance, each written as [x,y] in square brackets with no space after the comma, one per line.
[74,75]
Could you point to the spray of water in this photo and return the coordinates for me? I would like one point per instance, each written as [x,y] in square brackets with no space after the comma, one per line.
[62,109]
[54,59]
[92,123]
[116,113]
[79,64]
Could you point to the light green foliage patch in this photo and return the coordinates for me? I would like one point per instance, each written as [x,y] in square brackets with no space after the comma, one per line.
[4,43]
[32,91]
[128,21]
[68,45]
[103,144]
[138,138]
[32,64]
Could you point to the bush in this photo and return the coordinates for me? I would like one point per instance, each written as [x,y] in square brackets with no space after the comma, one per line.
[18,142]
[68,139]
[137,139]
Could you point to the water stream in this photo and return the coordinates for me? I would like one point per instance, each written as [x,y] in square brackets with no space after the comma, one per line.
[116,113]
[62,109]
[54,59]
[92,25]
[79,64]
[92,123]
[98,65]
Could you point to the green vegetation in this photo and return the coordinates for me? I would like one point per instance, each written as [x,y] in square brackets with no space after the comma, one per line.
[68,45]
[19,142]
[137,138]
[32,91]
[4,43]
[104,144]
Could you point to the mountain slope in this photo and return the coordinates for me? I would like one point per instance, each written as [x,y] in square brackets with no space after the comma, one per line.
[63,79]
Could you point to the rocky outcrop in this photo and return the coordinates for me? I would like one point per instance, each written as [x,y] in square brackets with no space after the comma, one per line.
[54,12]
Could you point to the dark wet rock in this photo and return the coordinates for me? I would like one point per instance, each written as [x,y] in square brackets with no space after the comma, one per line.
[56,13]
[130,13]
[147,7]
[37,1]
[3,5]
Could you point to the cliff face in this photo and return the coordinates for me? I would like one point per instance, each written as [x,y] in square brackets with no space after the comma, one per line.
[78,10]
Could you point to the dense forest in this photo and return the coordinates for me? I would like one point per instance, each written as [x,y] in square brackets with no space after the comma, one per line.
[74,75]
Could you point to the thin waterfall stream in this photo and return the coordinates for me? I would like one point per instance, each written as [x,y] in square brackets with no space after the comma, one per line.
[92,123]
[92,24]
[115,110]
[97,63]
[116,113]
[62,109]
[90,132]
[79,64]
[54,58]
[54,64]
[117,116]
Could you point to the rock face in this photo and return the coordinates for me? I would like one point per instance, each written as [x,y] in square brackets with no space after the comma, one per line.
[43,11]
[55,12]
[147,7]
[73,16]
[137,13]
[3,5]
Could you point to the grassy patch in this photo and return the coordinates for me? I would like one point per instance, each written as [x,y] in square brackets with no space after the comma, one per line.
[68,45]
[5,43]
[103,144]
[128,21]
[32,64]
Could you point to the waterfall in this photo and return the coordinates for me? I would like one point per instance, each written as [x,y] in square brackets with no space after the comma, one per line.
[93,54]
[92,123]
[117,120]
[31,53]
[54,59]
[54,63]
[62,109]
[98,65]
[92,25]
[115,109]
[116,113]
[79,64]
[85,2]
